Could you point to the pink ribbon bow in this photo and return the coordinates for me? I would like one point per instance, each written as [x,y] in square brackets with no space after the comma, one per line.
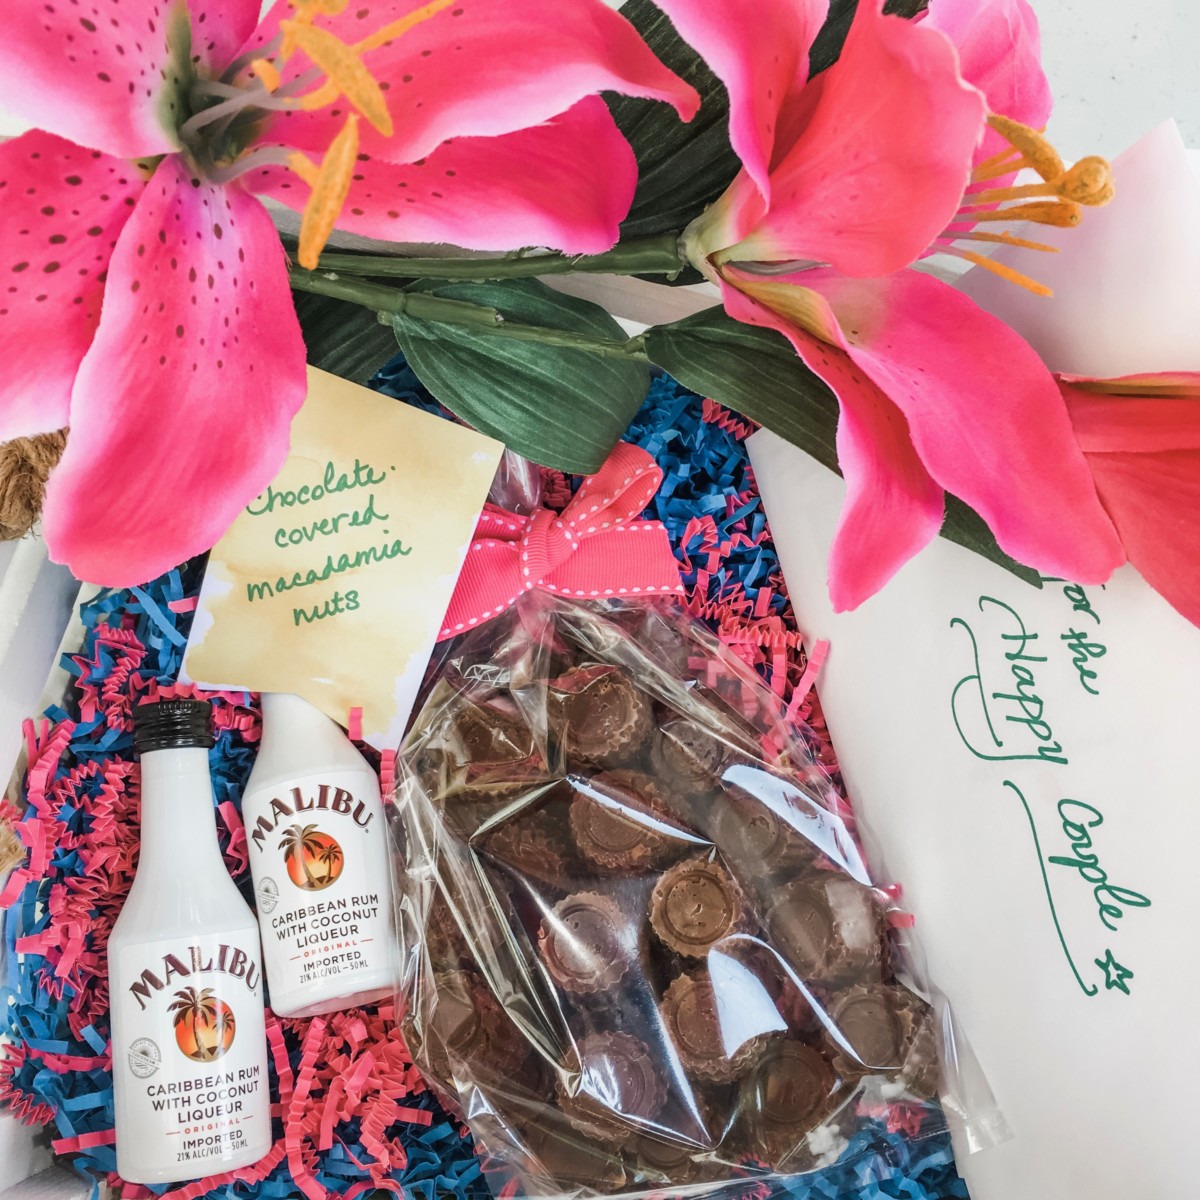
[595,548]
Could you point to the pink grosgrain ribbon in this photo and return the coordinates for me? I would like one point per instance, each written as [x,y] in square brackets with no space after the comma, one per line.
[593,549]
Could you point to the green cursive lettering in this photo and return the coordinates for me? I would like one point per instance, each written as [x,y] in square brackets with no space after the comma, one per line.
[1024,705]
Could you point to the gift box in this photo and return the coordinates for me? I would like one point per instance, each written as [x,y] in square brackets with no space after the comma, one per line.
[131,642]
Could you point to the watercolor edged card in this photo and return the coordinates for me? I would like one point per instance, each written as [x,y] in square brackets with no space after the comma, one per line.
[1025,764]
[332,584]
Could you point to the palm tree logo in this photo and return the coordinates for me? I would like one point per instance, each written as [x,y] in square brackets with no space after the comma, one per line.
[314,859]
[204,1025]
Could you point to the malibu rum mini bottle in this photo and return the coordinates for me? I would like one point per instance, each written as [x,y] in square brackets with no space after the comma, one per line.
[189,1043]
[318,846]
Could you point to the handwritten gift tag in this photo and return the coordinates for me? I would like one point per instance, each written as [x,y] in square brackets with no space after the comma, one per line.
[1027,764]
[333,583]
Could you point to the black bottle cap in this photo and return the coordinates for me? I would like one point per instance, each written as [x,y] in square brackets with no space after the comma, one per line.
[172,725]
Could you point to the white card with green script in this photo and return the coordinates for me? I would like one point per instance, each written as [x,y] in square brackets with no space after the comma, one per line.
[1026,764]
[333,583]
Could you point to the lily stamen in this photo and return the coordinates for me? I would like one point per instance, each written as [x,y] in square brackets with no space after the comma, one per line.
[389,33]
[1058,200]
[1065,214]
[1036,152]
[330,183]
[1000,269]
[267,73]
[1003,239]
[1089,181]
[347,74]
[253,87]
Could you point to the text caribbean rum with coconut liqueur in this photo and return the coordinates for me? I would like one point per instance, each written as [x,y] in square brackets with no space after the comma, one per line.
[318,847]
[189,1040]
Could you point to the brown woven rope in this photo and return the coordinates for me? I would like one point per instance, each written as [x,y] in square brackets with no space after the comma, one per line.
[25,465]
[11,850]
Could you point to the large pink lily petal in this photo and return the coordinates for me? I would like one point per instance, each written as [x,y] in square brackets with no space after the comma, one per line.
[893,508]
[881,165]
[1000,52]
[1106,424]
[220,28]
[181,410]
[481,69]
[1154,501]
[566,184]
[985,415]
[1144,454]
[759,50]
[101,76]
[61,209]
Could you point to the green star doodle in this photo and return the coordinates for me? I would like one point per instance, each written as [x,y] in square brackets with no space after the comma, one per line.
[1115,975]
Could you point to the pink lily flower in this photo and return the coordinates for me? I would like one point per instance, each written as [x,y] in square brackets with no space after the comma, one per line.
[144,295]
[1140,435]
[886,157]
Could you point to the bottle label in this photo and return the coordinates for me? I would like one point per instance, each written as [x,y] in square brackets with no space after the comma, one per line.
[190,1052]
[319,856]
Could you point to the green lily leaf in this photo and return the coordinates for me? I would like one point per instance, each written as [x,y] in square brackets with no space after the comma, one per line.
[682,168]
[753,371]
[559,406]
[757,373]
[965,526]
[342,338]
[827,47]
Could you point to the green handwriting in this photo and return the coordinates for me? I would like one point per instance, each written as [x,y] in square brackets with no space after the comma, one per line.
[1062,938]
[1083,858]
[332,566]
[1022,707]
[331,608]
[328,526]
[1082,653]
[331,482]
[1083,650]
[1111,901]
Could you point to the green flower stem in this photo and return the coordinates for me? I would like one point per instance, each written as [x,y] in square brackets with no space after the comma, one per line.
[658,255]
[389,301]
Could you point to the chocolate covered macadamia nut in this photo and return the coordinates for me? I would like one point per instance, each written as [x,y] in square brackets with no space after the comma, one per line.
[599,716]
[618,1089]
[585,943]
[620,822]
[694,905]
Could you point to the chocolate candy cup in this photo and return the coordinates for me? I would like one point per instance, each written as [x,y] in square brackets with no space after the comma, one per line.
[620,1088]
[690,1016]
[830,928]
[687,755]
[921,1072]
[620,822]
[584,943]
[444,941]
[786,1095]
[487,735]
[673,1164]
[887,1030]
[599,716]
[468,1026]
[755,839]
[696,904]
[529,846]
[549,1150]
[573,1160]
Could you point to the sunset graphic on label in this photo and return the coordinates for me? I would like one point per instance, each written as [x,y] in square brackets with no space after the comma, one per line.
[314,859]
[204,1024]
